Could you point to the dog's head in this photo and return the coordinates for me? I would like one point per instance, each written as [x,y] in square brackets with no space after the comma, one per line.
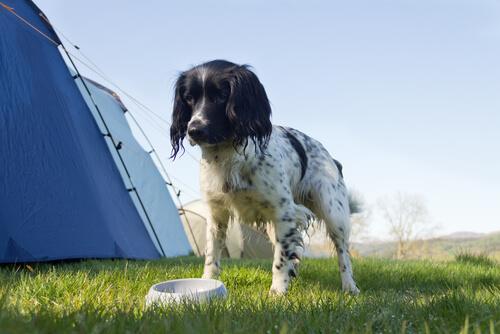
[218,102]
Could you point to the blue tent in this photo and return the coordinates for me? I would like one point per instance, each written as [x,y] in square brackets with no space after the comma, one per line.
[65,190]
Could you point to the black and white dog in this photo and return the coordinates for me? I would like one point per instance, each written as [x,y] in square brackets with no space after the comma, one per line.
[258,173]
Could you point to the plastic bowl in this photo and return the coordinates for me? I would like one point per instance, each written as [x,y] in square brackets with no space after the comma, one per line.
[187,289]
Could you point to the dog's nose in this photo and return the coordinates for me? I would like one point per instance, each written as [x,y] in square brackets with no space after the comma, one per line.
[197,131]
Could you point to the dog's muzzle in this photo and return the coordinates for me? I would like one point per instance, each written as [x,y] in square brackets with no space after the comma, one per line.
[197,132]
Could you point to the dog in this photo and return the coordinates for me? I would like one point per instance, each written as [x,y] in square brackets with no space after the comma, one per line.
[256,172]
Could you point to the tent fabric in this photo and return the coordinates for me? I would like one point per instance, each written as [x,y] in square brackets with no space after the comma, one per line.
[246,241]
[242,241]
[150,194]
[61,192]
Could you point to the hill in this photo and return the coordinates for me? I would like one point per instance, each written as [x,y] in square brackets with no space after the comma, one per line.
[442,248]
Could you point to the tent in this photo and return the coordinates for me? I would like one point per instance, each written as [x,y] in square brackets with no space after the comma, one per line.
[242,241]
[247,241]
[74,183]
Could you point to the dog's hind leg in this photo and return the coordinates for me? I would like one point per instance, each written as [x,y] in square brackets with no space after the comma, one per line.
[331,205]
[340,239]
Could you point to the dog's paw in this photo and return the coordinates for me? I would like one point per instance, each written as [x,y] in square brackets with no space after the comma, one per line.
[351,289]
[210,273]
[277,291]
[208,276]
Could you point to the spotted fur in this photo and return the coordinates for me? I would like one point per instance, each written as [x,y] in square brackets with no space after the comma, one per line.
[281,179]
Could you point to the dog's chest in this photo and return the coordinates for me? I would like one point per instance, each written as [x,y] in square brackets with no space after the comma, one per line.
[249,206]
[230,187]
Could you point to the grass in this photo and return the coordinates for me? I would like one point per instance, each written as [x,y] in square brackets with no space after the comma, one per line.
[476,259]
[108,297]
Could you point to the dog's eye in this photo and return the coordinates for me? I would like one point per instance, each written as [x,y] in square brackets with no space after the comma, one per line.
[221,97]
[189,98]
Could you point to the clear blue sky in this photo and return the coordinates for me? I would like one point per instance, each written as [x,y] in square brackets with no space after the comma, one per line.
[406,94]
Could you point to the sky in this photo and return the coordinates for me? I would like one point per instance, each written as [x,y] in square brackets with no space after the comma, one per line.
[406,94]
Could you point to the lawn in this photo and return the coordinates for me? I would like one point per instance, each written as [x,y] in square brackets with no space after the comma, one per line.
[397,296]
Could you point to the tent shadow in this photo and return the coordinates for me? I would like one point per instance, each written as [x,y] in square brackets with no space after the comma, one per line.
[95,267]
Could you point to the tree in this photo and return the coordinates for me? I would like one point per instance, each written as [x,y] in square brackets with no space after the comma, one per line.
[406,215]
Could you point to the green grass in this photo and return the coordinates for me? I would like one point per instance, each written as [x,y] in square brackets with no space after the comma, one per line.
[108,296]
[476,259]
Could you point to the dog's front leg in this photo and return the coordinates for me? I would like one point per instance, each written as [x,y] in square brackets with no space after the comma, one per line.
[287,253]
[216,238]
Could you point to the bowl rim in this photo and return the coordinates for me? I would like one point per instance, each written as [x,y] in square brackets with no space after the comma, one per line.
[219,285]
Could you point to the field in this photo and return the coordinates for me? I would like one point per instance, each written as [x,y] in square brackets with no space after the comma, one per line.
[397,296]
[443,248]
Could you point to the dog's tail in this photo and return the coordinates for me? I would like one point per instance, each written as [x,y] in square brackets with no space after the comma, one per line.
[356,204]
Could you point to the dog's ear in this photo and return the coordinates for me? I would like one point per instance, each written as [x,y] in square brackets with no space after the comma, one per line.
[248,108]
[180,118]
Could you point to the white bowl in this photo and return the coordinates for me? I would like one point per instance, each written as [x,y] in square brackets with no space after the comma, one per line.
[187,289]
